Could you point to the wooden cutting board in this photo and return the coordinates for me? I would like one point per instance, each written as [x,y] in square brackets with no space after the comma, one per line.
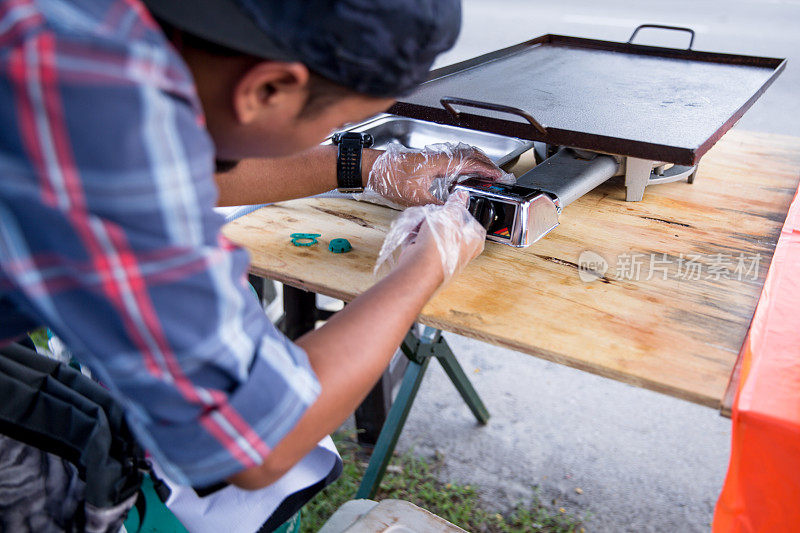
[679,335]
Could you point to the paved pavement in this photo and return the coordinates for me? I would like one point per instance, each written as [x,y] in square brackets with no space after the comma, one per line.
[645,462]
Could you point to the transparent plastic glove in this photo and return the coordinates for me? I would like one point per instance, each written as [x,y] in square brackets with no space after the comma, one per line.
[403,177]
[458,237]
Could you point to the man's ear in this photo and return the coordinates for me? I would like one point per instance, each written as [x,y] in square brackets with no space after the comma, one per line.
[268,84]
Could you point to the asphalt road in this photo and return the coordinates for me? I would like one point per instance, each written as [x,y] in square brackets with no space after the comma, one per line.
[643,461]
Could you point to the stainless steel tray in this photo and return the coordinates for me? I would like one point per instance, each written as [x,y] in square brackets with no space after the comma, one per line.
[390,129]
[659,104]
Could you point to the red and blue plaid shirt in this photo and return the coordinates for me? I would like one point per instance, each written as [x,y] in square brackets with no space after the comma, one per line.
[108,236]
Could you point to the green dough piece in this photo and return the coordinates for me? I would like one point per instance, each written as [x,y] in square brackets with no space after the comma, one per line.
[339,246]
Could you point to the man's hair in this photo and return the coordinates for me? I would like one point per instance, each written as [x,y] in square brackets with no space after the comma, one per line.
[322,92]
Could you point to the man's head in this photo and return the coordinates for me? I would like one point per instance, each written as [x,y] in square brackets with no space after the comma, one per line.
[275,77]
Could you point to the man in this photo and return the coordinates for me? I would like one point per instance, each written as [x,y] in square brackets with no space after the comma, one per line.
[111,127]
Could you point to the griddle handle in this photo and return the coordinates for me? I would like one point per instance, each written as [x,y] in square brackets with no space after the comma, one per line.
[661,26]
[449,101]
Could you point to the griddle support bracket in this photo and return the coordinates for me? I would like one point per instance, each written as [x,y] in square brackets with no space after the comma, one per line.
[637,176]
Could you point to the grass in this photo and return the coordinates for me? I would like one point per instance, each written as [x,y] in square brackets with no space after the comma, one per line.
[413,479]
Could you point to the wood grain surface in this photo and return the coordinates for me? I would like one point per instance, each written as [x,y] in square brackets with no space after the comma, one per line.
[679,335]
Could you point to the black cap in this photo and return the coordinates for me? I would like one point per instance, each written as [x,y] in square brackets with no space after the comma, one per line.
[375,47]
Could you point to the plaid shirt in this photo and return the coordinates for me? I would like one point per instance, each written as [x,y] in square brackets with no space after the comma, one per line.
[108,236]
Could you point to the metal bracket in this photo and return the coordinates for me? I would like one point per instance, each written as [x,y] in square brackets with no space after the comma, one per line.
[418,347]
[639,173]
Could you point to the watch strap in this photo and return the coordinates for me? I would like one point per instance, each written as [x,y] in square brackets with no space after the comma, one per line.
[348,161]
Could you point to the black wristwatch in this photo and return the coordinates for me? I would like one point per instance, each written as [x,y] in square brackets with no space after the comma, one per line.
[348,162]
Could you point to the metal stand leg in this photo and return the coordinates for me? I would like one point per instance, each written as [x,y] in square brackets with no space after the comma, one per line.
[419,352]
[264,288]
[372,413]
[637,175]
[391,429]
[299,312]
[464,387]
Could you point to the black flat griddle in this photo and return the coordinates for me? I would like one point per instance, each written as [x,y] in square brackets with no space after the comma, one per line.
[661,104]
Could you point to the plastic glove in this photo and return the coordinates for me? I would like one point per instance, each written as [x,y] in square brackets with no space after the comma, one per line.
[458,237]
[403,177]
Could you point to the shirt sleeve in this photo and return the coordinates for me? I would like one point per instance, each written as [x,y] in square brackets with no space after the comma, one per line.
[109,237]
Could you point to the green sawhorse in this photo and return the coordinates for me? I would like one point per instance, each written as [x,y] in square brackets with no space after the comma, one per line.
[419,349]
[301,314]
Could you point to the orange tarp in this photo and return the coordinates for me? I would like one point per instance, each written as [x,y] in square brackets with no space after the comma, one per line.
[762,487]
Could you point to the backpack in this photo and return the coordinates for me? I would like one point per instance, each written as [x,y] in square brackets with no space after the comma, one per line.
[68,460]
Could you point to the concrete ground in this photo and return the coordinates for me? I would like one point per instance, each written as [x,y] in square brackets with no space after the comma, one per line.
[643,461]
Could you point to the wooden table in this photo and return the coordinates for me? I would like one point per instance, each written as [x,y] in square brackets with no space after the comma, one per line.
[677,336]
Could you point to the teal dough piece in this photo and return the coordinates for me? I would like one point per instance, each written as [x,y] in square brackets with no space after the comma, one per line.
[299,239]
[339,246]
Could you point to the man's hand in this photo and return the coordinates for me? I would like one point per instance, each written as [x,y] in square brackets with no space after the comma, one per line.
[417,177]
[448,233]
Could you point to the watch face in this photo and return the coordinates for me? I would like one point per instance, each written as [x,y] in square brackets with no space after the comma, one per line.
[365,139]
